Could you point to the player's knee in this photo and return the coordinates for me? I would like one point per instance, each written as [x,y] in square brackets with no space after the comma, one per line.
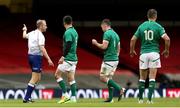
[143,78]
[39,79]
[71,78]
[103,79]
[152,76]
[34,81]
[57,75]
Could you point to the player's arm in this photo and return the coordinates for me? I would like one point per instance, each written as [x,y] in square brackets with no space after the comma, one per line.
[45,54]
[102,46]
[132,46]
[68,47]
[167,45]
[25,36]
[118,48]
[66,51]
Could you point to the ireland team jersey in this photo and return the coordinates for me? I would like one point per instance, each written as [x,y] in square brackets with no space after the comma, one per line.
[72,36]
[149,33]
[110,54]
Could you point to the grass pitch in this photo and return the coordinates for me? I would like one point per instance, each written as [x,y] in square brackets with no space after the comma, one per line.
[84,103]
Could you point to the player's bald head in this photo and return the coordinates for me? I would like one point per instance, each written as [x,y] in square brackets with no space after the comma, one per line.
[152,13]
[40,22]
[41,25]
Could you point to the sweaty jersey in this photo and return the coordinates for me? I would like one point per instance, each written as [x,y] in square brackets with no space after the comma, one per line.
[35,39]
[70,35]
[150,33]
[110,54]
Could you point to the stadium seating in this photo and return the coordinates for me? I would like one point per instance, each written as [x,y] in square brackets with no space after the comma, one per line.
[169,65]
[13,51]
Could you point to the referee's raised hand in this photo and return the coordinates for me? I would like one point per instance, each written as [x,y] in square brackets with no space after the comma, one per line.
[24,27]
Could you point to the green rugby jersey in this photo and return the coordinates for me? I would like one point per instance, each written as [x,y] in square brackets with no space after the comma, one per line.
[110,54]
[149,33]
[72,36]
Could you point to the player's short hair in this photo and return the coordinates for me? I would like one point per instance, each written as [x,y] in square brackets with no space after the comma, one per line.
[152,13]
[106,21]
[39,22]
[67,19]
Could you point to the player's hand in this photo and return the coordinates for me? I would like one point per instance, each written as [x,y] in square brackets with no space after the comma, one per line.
[94,41]
[24,28]
[50,63]
[165,53]
[61,60]
[132,53]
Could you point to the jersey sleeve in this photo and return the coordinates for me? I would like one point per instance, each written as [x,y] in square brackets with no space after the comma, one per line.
[161,31]
[137,33]
[28,34]
[67,37]
[106,37]
[41,39]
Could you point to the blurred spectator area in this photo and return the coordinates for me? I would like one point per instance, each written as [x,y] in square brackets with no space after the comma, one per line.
[17,6]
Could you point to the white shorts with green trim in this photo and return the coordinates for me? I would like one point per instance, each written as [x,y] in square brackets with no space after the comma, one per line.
[108,68]
[149,60]
[67,66]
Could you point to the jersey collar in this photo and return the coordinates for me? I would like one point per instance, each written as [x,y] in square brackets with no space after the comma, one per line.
[108,29]
[151,21]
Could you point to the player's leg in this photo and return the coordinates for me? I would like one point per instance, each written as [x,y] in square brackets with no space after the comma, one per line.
[58,75]
[112,84]
[71,69]
[141,84]
[152,83]
[61,82]
[35,78]
[110,90]
[153,65]
[143,71]
[104,78]
[107,71]
[73,86]
[35,63]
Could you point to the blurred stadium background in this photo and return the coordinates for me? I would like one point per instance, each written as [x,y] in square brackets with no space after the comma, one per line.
[125,15]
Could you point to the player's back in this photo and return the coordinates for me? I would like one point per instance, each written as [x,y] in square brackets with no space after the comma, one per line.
[149,33]
[71,35]
[110,53]
[35,38]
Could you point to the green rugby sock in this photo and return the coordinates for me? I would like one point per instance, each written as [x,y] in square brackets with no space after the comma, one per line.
[113,84]
[152,84]
[110,89]
[62,85]
[141,88]
[73,89]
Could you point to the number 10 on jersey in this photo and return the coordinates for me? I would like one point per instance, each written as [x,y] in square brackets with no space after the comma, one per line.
[149,34]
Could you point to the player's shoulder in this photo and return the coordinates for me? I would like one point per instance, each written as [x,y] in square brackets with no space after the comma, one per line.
[31,32]
[108,32]
[39,33]
[143,24]
[68,32]
[158,25]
